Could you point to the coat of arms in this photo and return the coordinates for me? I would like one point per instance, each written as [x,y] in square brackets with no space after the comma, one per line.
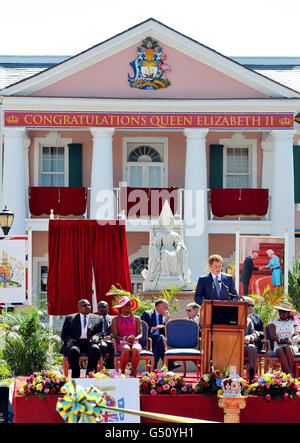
[149,67]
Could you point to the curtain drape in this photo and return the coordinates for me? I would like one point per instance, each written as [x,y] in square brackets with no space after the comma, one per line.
[76,248]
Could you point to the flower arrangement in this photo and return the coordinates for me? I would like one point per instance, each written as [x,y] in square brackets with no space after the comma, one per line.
[277,385]
[210,384]
[163,382]
[106,373]
[43,383]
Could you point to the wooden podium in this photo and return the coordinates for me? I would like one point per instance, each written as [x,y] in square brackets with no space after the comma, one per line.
[229,322]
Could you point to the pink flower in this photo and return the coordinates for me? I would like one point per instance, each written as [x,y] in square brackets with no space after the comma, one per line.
[286,396]
[46,390]
[268,385]
[166,387]
[172,383]
[184,389]
[153,392]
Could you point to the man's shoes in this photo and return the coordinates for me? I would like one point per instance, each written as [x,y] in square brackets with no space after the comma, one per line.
[173,366]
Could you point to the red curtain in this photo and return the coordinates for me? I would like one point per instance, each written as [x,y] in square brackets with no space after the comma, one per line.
[144,202]
[70,265]
[111,266]
[65,201]
[235,202]
[75,248]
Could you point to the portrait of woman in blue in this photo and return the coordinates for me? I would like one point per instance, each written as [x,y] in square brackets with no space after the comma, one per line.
[274,264]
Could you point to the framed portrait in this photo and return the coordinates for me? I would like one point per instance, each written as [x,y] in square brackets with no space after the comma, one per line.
[261,261]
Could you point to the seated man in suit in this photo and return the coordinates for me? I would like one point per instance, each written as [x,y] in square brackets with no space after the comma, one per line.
[250,349]
[192,310]
[156,320]
[106,344]
[216,284]
[257,323]
[81,334]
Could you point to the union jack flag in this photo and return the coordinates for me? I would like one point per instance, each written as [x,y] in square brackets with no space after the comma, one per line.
[109,417]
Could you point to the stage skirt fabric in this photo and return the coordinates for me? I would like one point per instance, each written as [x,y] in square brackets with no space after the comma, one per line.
[77,249]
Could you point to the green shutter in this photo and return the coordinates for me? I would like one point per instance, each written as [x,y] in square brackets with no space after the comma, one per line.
[75,165]
[297,173]
[216,166]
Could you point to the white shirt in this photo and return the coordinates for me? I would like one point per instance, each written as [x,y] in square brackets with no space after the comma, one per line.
[196,319]
[83,335]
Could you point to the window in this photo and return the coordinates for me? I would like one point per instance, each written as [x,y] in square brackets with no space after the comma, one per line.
[145,162]
[51,160]
[53,166]
[239,162]
[237,171]
[136,267]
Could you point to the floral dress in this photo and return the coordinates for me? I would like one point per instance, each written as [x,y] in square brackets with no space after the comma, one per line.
[285,329]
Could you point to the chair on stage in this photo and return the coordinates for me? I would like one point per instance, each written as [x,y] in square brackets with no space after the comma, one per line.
[146,352]
[83,357]
[182,342]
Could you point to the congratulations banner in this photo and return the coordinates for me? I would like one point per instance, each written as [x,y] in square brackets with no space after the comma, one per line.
[150,120]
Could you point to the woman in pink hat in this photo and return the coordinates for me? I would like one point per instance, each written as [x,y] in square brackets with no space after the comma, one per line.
[127,331]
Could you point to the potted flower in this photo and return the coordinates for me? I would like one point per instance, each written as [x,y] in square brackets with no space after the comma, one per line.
[42,384]
[163,382]
[277,385]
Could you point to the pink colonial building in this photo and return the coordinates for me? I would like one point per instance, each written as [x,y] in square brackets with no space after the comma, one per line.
[101,134]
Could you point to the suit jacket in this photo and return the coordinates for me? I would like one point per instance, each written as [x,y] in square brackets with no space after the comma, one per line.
[248,268]
[109,319]
[251,331]
[72,329]
[150,318]
[205,290]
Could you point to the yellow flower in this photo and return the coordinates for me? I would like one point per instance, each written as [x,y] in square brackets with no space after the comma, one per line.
[220,392]
[63,390]
[206,378]
[21,391]
[99,375]
[39,387]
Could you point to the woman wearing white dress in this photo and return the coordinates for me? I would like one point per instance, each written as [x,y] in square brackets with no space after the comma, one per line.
[284,331]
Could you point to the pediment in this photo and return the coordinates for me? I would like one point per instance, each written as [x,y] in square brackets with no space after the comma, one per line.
[189,70]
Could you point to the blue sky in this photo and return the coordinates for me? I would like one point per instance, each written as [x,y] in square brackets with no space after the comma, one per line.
[232,27]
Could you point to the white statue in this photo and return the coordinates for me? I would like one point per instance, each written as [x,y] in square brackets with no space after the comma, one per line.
[168,256]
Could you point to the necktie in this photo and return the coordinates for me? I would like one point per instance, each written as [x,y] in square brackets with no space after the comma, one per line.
[160,319]
[217,285]
[85,326]
[105,326]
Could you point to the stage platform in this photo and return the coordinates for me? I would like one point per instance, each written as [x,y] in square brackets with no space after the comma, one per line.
[258,410]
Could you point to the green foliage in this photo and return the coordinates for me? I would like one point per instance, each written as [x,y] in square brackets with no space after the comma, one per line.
[264,305]
[294,284]
[146,304]
[26,341]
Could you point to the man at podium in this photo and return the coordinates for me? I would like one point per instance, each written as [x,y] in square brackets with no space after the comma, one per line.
[216,284]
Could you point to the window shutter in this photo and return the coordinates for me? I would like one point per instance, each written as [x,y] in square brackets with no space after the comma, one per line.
[216,166]
[75,165]
[297,173]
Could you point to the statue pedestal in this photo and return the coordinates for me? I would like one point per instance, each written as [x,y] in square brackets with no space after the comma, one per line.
[184,297]
[165,282]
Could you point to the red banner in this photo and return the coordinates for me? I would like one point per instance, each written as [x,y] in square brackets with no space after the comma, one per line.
[143,120]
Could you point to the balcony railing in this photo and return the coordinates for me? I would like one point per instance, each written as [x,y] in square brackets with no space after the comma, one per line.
[146,204]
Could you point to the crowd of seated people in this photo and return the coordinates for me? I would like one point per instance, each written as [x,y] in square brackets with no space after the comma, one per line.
[98,335]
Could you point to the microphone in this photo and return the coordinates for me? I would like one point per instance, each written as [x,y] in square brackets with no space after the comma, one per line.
[227,289]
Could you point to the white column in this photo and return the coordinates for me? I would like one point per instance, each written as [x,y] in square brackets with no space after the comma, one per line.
[267,162]
[195,201]
[102,205]
[14,177]
[283,208]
